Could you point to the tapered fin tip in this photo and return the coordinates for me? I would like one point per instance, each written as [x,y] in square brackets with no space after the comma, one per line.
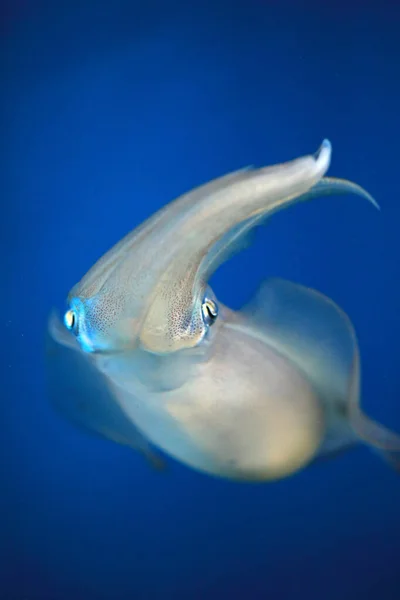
[373,202]
[360,191]
[326,144]
[328,186]
[323,155]
[325,148]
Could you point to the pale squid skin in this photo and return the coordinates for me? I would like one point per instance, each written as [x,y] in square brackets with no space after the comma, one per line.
[148,357]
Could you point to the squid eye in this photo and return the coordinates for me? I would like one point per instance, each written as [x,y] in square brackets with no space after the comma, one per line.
[210,311]
[69,319]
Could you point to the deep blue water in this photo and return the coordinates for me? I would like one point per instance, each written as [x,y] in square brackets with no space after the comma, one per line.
[109,110]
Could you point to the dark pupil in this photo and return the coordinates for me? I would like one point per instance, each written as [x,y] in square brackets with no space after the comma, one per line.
[211,313]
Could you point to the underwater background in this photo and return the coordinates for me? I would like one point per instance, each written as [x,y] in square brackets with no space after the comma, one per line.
[109,110]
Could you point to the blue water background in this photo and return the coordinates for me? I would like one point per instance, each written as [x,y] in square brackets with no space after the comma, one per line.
[109,110]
